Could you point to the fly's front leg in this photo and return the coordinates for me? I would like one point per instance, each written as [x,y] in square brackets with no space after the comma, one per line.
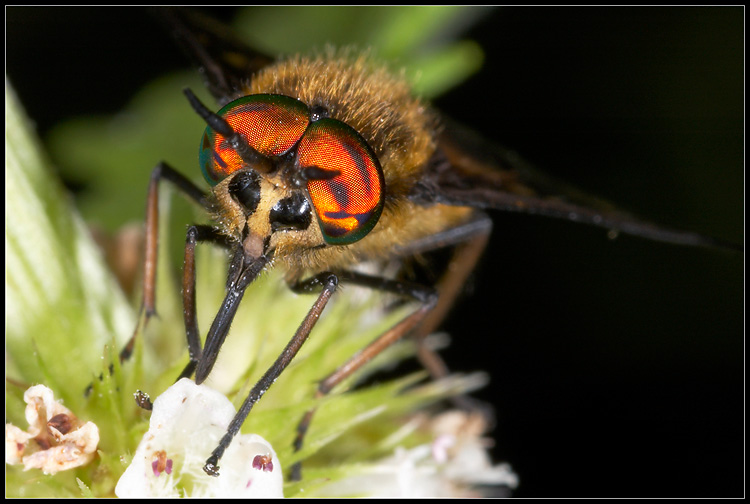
[195,234]
[162,171]
[428,298]
[242,272]
[329,282]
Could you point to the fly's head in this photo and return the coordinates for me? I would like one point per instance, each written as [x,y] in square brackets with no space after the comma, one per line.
[317,155]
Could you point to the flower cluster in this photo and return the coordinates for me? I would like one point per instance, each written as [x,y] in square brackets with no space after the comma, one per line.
[56,439]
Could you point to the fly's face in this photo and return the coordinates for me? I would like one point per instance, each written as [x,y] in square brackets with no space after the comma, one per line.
[299,163]
[333,148]
[262,211]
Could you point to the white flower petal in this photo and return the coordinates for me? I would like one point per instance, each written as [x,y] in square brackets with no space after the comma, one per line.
[187,422]
[15,443]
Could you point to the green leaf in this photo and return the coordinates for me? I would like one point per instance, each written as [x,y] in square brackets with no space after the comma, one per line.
[418,39]
[62,304]
[65,313]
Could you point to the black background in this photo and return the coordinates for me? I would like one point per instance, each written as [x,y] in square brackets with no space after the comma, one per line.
[617,365]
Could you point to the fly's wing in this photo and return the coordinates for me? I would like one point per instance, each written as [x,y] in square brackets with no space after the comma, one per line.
[225,61]
[468,171]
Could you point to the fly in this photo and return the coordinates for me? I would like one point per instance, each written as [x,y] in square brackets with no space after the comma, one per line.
[318,164]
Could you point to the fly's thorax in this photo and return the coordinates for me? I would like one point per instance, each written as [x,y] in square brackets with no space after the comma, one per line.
[378,104]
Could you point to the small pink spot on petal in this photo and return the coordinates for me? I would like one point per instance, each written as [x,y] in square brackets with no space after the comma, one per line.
[440,447]
[263,463]
[161,463]
[249,482]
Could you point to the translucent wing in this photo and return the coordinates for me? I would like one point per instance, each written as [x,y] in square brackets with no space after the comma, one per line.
[469,171]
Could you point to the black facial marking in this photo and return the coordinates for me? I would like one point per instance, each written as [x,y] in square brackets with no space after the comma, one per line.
[245,188]
[291,213]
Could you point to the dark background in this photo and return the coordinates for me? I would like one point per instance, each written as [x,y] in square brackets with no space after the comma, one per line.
[617,365]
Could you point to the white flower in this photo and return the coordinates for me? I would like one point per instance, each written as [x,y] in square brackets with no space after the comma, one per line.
[455,464]
[187,422]
[55,440]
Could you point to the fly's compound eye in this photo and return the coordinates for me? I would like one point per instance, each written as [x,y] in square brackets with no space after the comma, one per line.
[348,205]
[245,189]
[271,124]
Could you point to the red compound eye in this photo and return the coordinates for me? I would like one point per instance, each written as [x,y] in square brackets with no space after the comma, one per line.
[348,205]
[271,124]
